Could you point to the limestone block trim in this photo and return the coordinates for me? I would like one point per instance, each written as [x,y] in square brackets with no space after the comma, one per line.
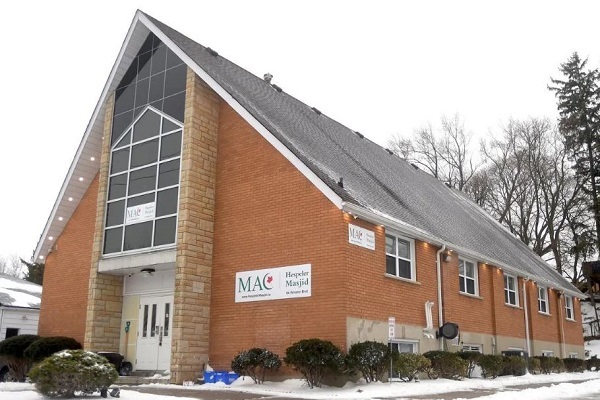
[105,294]
[195,231]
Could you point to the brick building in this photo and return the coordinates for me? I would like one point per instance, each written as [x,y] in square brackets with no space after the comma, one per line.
[207,211]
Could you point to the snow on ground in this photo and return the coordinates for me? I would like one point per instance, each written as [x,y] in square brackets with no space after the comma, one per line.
[588,384]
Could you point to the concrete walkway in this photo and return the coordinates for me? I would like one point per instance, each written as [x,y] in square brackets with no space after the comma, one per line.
[233,395]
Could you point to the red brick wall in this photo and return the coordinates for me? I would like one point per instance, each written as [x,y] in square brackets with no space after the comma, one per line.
[548,327]
[473,314]
[269,215]
[373,295]
[573,329]
[509,321]
[66,277]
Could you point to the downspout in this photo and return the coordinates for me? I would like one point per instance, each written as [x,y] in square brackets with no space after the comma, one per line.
[561,295]
[527,341]
[438,262]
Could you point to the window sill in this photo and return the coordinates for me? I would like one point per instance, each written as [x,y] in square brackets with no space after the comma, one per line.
[547,314]
[570,320]
[473,296]
[402,279]
[513,306]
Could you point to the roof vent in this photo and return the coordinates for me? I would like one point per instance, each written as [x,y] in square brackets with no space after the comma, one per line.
[389,151]
[316,110]
[267,77]
[360,135]
[212,52]
[341,182]
[277,87]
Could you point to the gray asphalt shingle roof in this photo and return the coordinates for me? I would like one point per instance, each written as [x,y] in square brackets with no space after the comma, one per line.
[373,178]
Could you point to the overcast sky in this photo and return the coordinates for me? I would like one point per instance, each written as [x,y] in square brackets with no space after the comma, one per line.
[379,67]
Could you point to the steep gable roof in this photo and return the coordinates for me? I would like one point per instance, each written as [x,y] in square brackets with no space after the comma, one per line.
[377,185]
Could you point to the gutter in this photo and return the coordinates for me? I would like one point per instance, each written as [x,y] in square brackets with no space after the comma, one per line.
[419,234]
[527,339]
[562,326]
[438,262]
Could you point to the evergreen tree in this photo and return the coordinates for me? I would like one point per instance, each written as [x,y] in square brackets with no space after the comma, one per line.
[578,98]
[35,272]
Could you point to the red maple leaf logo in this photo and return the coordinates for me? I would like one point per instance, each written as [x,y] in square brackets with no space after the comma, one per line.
[269,279]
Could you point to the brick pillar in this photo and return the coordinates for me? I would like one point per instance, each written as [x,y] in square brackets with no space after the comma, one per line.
[105,295]
[195,229]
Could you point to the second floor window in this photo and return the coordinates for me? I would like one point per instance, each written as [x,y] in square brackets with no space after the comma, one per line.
[511,295]
[467,274]
[569,308]
[399,255]
[543,300]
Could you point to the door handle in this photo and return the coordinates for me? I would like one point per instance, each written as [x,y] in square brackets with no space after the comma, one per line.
[160,336]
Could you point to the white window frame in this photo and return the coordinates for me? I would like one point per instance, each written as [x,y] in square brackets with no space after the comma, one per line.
[547,353]
[569,310]
[413,343]
[508,290]
[474,348]
[464,278]
[411,242]
[573,355]
[543,300]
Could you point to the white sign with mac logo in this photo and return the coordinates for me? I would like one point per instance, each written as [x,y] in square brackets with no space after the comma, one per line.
[361,237]
[139,213]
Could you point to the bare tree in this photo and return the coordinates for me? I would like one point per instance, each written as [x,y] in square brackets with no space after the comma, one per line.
[11,265]
[532,190]
[444,154]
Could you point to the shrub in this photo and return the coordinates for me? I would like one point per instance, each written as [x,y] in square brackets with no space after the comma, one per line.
[574,364]
[535,365]
[372,359]
[593,364]
[409,365]
[551,364]
[314,358]
[514,365]
[255,362]
[445,364]
[491,365]
[472,358]
[11,352]
[46,346]
[70,371]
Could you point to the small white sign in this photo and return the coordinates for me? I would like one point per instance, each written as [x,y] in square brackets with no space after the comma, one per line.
[273,283]
[391,327]
[361,237]
[141,213]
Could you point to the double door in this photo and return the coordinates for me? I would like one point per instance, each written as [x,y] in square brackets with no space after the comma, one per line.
[154,333]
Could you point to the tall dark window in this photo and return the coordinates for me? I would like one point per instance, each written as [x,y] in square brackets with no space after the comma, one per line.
[156,77]
[143,186]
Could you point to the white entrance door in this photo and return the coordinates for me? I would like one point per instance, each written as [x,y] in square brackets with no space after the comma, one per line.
[154,334]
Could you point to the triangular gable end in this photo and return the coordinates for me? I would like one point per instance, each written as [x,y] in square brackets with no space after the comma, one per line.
[85,164]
